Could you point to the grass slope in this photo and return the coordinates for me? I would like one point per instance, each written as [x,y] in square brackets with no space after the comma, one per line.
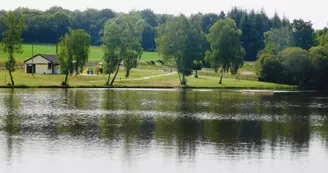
[136,80]
[96,53]
[246,78]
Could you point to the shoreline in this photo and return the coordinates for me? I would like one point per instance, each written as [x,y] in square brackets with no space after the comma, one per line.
[292,88]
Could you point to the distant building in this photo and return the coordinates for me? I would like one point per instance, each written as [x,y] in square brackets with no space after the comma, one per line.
[42,64]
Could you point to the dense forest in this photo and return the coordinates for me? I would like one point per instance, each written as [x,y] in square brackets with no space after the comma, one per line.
[50,25]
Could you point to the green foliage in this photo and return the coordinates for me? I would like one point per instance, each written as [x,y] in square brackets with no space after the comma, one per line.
[179,40]
[10,65]
[226,50]
[253,25]
[323,39]
[296,64]
[81,48]
[303,34]
[268,68]
[207,21]
[276,21]
[149,31]
[74,51]
[319,59]
[197,65]
[111,46]
[277,40]
[11,42]
[122,42]
[65,55]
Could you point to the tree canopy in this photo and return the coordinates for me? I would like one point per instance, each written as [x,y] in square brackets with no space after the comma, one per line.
[11,41]
[277,40]
[74,52]
[180,40]
[226,51]
[122,43]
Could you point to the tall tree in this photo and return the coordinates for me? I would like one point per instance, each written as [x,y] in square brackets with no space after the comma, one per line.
[226,50]
[276,21]
[122,43]
[81,48]
[198,62]
[277,40]
[207,21]
[148,34]
[73,52]
[180,40]
[150,17]
[60,23]
[253,25]
[303,34]
[222,15]
[65,55]
[11,42]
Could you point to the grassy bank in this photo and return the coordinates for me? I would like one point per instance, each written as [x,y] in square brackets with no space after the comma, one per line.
[147,75]
[139,78]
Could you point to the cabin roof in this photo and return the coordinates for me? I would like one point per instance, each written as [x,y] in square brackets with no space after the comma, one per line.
[52,58]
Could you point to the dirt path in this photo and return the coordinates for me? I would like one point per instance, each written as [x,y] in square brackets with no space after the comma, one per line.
[149,77]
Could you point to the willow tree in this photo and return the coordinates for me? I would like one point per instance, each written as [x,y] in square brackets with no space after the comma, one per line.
[180,40]
[226,51]
[122,44]
[73,52]
[11,42]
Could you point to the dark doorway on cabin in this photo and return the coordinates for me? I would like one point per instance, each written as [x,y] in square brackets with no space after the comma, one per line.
[30,68]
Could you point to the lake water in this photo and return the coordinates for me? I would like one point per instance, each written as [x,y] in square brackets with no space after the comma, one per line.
[164,131]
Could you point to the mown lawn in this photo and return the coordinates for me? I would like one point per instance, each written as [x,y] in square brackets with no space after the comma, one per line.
[137,79]
[246,78]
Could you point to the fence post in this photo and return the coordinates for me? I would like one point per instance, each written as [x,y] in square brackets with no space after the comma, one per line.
[5,79]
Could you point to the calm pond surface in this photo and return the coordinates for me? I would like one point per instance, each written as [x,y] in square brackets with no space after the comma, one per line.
[165,131]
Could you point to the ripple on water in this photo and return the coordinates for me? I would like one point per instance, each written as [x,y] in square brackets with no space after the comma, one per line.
[45,116]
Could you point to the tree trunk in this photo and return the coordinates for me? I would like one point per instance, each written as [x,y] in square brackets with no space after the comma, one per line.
[76,69]
[221,76]
[57,47]
[196,76]
[11,78]
[180,78]
[118,68]
[183,82]
[107,83]
[65,82]
[127,73]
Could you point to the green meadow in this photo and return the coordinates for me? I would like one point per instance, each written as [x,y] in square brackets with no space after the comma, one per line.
[96,53]
[145,75]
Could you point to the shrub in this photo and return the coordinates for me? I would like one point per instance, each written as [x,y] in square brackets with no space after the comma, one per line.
[319,60]
[297,65]
[268,68]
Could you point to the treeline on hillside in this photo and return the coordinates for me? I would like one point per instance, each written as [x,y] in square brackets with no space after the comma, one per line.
[51,25]
[289,53]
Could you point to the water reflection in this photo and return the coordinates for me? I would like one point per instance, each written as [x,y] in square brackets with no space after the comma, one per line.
[182,123]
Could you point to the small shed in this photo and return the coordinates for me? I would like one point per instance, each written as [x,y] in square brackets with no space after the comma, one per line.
[42,64]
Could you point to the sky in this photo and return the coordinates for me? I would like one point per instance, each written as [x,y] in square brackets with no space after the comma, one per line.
[314,10]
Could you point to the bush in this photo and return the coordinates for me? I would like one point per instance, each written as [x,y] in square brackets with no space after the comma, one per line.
[296,64]
[269,69]
[319,60]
